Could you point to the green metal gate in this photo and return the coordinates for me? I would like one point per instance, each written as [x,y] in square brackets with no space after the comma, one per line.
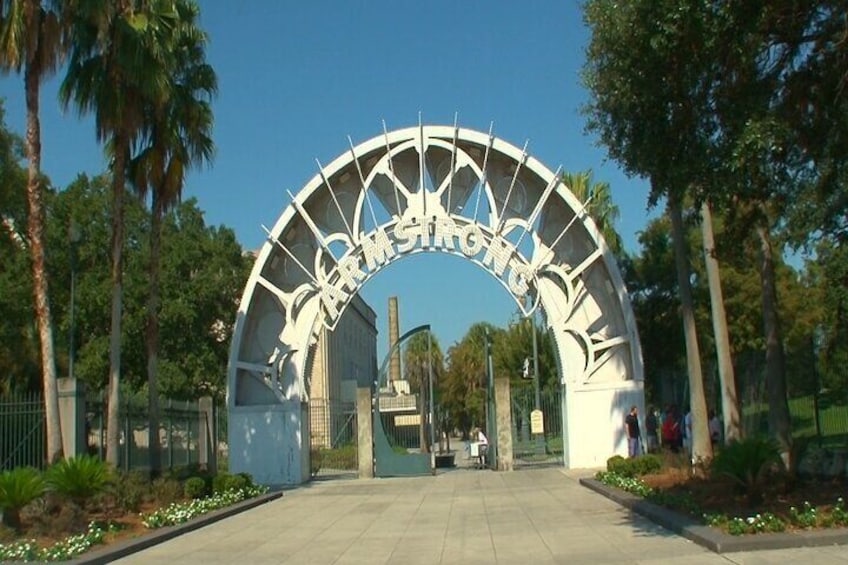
[394,445]
[536,450]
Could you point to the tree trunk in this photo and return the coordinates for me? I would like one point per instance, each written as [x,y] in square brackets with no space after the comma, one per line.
[152,336]
[35,232]
[778,413]
[702,450]
[112,417]
[729,398]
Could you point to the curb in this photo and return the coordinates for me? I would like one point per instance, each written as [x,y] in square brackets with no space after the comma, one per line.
[712,538]
[128,547]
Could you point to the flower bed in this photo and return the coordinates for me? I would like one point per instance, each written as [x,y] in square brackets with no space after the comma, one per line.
[803,517]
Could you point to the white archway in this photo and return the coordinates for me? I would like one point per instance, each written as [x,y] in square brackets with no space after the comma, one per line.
[429,189]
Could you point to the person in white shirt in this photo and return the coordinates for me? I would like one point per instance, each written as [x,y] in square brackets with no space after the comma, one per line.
[715,428]
[482,445]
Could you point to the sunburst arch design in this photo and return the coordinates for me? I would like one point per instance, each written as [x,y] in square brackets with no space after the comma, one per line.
[431,189]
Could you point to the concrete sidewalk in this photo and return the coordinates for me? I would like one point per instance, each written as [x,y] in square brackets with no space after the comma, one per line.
[459,516]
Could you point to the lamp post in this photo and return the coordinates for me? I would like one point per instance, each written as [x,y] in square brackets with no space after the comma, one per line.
[73,240]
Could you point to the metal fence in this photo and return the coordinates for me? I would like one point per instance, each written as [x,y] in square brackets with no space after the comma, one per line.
[179,432]
[23,436]
[23,433]
[544,449]
[333,438]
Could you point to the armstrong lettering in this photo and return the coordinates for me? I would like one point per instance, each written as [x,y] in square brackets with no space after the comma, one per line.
[379,248]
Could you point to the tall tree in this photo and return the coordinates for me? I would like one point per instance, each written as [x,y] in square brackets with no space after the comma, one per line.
[727,376]
[644,72]
[422,358]
[179,137]
[31,40]
[118,65]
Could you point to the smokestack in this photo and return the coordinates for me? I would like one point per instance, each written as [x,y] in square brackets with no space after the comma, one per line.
[394,335]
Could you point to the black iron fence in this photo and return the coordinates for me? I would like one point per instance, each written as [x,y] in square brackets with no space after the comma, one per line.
[188,432]
[23,439]
[535,449]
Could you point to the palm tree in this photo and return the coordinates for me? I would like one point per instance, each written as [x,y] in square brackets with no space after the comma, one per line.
[599,205]
[179,137]
[31,39]
[422,358]
[118,64]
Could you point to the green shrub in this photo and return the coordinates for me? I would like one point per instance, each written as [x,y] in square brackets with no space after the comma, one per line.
[129,490]
[78,479]
[634,467]
[18,488]
[236,482]
[748,463]
[221,483]
[248,478]
[616,463]
[195,487]
[167,490]
[647,464]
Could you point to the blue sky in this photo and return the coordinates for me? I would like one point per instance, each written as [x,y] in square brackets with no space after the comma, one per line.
[296,78]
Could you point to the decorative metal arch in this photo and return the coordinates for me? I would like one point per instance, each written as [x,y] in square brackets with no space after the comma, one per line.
[431,189]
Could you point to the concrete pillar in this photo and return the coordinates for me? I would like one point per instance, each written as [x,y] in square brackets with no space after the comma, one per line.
[365,438]
[72,417]
[394,335]
[503,411]
[207,442]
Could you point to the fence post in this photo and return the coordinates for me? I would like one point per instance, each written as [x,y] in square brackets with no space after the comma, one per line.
[170,435]
[72,417]
[503,418]
[206,440]
[365,433]
[127,435]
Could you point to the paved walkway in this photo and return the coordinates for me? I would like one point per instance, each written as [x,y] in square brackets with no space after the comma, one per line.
[460,516]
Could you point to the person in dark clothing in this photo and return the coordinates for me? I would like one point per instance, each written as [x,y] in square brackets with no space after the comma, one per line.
[631,425]
[651,430]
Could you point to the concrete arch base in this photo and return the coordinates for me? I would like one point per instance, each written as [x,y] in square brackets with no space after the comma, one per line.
[273,444]
[590,413]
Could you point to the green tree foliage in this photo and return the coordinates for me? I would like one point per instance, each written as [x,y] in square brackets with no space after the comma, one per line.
[31,40]
[463,389]
[120,64]
[19,359]
[180,128]
[599,205]
[203,274]
[653,287]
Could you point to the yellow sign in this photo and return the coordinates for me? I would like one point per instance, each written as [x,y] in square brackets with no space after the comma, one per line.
[537,422]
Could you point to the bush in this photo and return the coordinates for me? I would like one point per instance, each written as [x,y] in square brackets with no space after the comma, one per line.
[167,490]
[634,467]
[78,479]
[195,487]
[248,478]
[129,490]
[237,482]
[748,463]
[18,488]
[220,482]
[616,463]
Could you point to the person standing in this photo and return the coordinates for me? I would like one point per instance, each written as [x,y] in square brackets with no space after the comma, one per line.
[651,430]
[631,426]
